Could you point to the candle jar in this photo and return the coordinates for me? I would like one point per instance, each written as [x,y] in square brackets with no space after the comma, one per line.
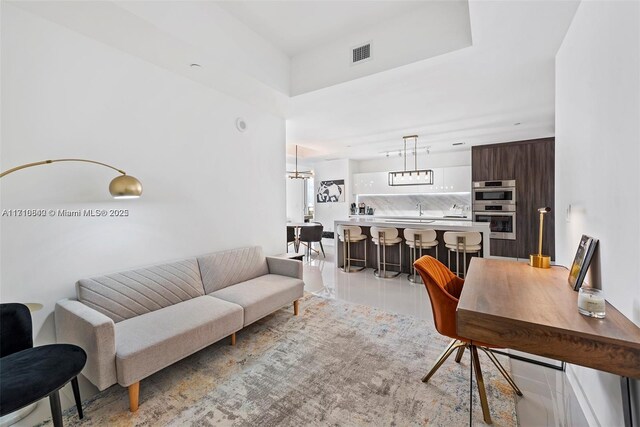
[591,302]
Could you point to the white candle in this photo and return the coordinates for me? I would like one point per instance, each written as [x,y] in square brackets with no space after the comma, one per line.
[591,302]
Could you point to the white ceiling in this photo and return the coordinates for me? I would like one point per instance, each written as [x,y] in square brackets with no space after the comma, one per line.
[295,26]
[472,95]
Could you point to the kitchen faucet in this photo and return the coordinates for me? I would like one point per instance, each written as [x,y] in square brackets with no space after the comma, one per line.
[419,206]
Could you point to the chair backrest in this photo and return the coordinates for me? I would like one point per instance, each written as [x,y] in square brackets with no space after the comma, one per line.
[354,230]
[291,234]
[444,289]
[16,330]
[471,237]
[311,233]
[389,232]
[425,235]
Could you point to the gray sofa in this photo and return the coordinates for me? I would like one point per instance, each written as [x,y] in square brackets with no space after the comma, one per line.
[135,323]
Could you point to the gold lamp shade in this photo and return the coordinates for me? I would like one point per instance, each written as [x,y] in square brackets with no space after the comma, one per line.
[125,187]
[121,187]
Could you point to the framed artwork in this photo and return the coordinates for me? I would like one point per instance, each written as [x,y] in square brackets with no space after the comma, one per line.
[581,262]
[330,191]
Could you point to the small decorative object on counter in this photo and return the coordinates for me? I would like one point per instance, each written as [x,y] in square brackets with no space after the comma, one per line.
[538,260]
[591,302]
[582,260]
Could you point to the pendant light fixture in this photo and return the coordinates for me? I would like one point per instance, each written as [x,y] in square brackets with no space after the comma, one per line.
[296,174]
[411,177]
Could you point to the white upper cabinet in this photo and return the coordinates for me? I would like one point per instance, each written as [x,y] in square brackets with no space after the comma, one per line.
[453,179]
[457,179]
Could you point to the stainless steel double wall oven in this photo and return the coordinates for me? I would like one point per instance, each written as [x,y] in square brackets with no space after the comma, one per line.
[495,202]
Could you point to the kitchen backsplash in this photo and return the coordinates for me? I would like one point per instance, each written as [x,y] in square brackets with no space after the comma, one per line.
[406,204]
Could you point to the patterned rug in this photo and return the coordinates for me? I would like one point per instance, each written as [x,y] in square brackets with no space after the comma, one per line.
[335,364]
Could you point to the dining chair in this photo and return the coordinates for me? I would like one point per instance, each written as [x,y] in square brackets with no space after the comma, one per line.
[309,235]
[292,238]
[444,289]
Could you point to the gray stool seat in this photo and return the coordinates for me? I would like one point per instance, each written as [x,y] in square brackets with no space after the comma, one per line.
[384,237]
[417,240]
[469,248]
[387,242]
[348,234]
[465,242]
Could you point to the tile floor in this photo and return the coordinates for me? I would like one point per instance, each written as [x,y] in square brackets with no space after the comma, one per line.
[548,398]
[548,401]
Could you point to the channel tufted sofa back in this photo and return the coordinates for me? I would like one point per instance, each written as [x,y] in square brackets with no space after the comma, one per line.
[222,269]
[122,296]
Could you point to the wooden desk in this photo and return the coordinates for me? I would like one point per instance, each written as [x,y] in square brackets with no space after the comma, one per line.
[513,305]
[534,310]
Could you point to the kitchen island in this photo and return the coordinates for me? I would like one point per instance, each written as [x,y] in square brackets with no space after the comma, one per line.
[440,226]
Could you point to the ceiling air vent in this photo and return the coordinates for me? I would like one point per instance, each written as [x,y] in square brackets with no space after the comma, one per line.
[361,53]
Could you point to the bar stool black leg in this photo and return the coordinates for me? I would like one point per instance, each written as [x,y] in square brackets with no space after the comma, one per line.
[56,410]
[76,395]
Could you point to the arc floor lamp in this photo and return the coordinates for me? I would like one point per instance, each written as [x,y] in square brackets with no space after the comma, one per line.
[121,187]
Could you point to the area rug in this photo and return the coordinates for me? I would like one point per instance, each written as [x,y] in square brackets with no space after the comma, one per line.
[336,364]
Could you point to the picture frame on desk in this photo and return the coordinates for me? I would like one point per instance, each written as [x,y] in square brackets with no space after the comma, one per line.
[581,262]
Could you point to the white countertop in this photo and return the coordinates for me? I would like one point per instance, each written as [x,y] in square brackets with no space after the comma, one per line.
[425,217]
[439,224]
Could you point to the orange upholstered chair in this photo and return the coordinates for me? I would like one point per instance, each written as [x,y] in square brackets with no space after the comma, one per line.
[444,289]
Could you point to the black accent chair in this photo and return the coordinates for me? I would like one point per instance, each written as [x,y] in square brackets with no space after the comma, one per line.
[27,373]
[291,238]
[310,235]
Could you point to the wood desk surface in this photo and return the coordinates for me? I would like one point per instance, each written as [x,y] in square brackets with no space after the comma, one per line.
[534,310]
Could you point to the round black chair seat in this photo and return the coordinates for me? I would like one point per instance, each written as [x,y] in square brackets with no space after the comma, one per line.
[32,374]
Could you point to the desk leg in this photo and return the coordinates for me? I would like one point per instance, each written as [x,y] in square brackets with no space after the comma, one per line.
[470,389]
[625,387]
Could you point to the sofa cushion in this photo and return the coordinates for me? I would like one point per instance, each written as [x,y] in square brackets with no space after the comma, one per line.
[263,295]
[146,344]
[223,269]
[125,295]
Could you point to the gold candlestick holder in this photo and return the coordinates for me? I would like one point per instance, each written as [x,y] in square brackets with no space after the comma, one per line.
[538,260]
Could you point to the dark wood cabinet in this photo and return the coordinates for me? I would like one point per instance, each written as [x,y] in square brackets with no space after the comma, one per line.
[532,164]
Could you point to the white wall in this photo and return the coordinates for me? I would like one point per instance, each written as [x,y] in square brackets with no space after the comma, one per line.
[434,29]
[207,187]
[327,213]
[396,163]
[598,169]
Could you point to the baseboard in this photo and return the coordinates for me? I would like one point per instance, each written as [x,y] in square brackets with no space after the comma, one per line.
[583,401]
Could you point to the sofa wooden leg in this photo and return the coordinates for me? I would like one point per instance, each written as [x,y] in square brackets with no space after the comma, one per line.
[233,338]
[296,307]
[134,393]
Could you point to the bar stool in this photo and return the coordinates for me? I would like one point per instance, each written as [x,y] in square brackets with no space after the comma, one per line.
[383,237]
[418,239]
[467,242]
[348,234]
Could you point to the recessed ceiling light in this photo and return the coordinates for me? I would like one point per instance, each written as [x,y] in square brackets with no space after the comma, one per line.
[517,124]
[195,65]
